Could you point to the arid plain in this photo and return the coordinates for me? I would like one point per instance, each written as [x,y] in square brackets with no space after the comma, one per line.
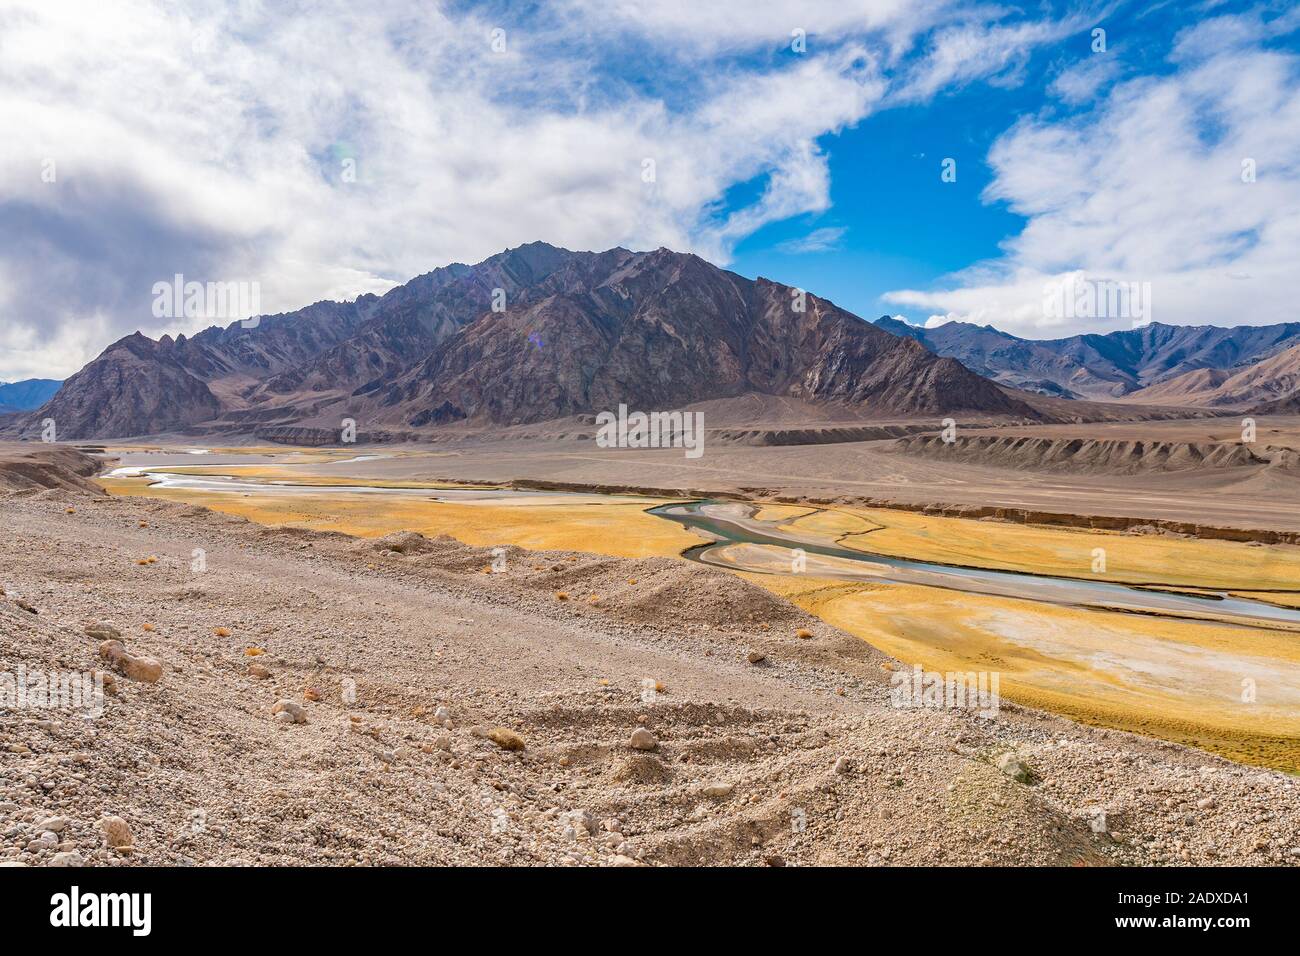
[1177,675]
[539,585]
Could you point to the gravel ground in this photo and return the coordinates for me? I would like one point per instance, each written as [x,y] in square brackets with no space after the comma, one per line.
[453,715]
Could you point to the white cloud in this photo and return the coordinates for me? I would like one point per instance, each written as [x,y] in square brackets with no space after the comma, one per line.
[209,137]
[1147,187]
[691,25]
[819,240]
[966,52]
[1084,79]
[211,142]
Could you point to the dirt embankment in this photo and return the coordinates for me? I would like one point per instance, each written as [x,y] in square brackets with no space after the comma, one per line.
[32,467]
[821,435]
[1083,455]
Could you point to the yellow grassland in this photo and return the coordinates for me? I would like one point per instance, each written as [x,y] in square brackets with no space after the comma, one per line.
[1191,682]
[1129,559]
[616,526]
[1173,679]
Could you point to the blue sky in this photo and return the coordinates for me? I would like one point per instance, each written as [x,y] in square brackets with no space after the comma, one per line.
[899,225]
[330,149]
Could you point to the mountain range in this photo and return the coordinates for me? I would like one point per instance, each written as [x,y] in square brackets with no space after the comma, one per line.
[539,333]
[26,395]
[532,334]
[1155,364]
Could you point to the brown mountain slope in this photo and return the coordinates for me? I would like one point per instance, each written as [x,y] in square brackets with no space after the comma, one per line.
[1272,379]
[136,387]
[1283,406]
[407,322]
[531,334]
[141,387]
[664,330]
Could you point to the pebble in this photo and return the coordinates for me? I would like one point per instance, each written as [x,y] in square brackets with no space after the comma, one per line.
[755,657]
[1014,767]
[642,739]
[297,714]
[145,669]
[117,832]
[580,820]
[67,858]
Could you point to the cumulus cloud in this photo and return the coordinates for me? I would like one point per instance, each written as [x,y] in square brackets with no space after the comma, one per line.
[1187,181]
[339,153]
[328,156]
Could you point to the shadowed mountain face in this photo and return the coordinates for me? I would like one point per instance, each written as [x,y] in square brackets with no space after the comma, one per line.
[135,384]
[528,335]
[1110,366]
[28,394]
[659,330]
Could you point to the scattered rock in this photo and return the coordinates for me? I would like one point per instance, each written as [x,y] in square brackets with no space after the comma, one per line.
[145,669]
[642,739]
[258,671]
[843,765]
[755,657]
[117,832]
[67,858]
[297,713]
[1015,768]
[581,820]
[717,790]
